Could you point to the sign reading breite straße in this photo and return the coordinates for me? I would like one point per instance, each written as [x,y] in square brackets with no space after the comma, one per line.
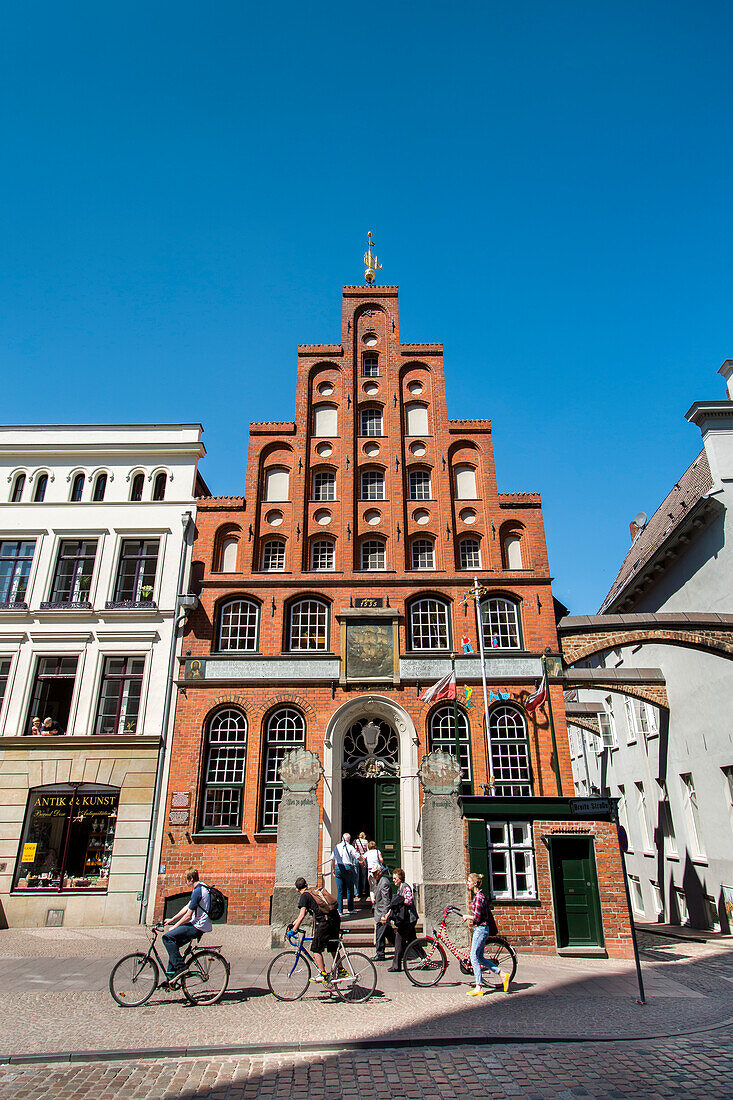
[589,807]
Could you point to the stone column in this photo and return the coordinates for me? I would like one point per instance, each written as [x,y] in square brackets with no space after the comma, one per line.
[298,837]
[441,833]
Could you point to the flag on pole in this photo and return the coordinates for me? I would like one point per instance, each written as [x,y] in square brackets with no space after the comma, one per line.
[444,689]
[539,697]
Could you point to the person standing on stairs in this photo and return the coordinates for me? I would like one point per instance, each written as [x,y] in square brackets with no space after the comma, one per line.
[345,861]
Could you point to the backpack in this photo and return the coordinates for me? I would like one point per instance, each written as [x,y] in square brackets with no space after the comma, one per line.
[217,903]
[325,901]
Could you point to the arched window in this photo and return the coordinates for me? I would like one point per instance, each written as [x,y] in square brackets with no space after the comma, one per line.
[40,489]
[225,770]
[419,485]
[77,488]
[100,487]
[138,482]
[443,736]
[285,731]
[470,553]
[465,477]
[325,420]
[429,624]
[159,486]
[324,485]
[228,554]
[322,554]
[423,554]
[238,625]
[273,556]
[502,625]
[512,551]
[373,554]
[18,487]
[277,483]
[510,764]
[370,422]
[308,622]
[372,485]
[416,416]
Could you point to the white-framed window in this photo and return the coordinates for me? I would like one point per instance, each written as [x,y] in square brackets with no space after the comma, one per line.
[370,365]
[637,897]
[238,625]
[470,553]
[692,815]
[641,718]
[225,770]
[607,725]
[657,896]
[322,554]
[642,808]
[325,420]
[416,416]
[513,551]
[285,731]
[443,736]
[728,789]
[623,814]
[418,482]
[510,763]
[681,899]
[277,483]
[429,624]
[666,821]
[501,623]
[465,481]
[324,485]
[423,554]
[373,554]
[273,556]
[372,485]
[308,625]
[511,860]
[371,422]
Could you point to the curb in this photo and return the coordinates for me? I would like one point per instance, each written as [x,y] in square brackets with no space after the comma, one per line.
[306,1047]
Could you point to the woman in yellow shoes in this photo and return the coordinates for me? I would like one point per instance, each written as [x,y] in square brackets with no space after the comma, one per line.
[484,926]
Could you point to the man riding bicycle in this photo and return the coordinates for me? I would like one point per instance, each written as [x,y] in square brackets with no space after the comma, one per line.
[189,924]
[322,905]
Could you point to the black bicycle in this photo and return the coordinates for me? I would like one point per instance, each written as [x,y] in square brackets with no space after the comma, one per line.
[203,980]
[353,976]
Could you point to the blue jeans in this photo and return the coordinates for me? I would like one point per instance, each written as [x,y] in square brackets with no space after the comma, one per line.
[478,961]
[173,941]
[345,880]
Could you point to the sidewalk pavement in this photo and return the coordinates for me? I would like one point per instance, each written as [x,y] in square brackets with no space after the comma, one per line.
[54,1000]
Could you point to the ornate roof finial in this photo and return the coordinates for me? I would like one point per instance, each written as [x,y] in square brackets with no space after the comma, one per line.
[372,263]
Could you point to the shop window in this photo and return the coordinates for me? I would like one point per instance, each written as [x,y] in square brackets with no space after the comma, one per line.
[371,422]
[16,558]
[324,485]
[325,420]
[423,554]
[511,860]
[53,688]
[4,675]
[470,554]
[429,624]
[67,838]
[501,624]
[372,485]
[285,730]
[443,736]
[322,554]
[225,770]
[510,765]
[273,556]
[277,483]
[119,696]
[465,480]
[418,485]
[100,487]
[373,554]
[74,567]
[416,417]
[137,569]
[40,490]
[308,622]
[159,486]
[18,487]
[238,626]
[138,483]
[370,365]
[77,488]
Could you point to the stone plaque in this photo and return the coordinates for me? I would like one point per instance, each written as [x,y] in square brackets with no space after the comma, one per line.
[178,817]
[369,601]
[370,651]
[181,800]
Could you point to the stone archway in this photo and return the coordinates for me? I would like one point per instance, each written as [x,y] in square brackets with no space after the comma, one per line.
[381,709]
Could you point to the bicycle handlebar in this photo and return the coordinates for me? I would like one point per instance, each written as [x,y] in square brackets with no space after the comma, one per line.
[451,909]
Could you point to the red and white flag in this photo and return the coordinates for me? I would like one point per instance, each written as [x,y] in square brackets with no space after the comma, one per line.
[539,697]
[444,689]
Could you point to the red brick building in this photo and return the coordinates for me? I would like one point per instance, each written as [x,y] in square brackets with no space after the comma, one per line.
[332,595]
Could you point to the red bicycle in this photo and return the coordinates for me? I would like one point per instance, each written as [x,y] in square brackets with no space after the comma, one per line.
[425,961]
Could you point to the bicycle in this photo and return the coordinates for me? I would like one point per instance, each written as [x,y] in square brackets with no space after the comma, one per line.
[425,960]
[353,976]
[135,977]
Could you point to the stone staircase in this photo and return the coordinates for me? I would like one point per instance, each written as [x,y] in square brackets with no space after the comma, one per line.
[358,927]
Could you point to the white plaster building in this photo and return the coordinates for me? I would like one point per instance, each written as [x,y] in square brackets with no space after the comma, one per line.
[672,769]
[96,527]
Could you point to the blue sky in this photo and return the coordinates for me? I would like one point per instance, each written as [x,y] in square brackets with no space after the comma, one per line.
[186,187]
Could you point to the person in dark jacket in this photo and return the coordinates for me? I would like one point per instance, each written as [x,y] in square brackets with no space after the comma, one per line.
[403,914]
[382,898]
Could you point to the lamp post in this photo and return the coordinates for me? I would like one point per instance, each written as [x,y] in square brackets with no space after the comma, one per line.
[455,717]
[552,666]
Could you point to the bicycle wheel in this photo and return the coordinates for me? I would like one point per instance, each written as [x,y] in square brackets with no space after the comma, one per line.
[288,976]
[425,961]
[133,980]
[206,981]
[364,981]
[503,954]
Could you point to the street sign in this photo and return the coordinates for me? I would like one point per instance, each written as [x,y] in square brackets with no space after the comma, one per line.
[589,807]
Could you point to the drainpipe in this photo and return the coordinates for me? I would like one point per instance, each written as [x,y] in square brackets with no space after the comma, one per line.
[187,521]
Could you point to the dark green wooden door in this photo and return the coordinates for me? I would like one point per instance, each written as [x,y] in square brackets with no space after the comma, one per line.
[577,902]
[387,820]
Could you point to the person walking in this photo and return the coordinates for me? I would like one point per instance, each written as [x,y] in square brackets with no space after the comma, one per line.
[327,922]
[345,861]
[373,860]
[403,913]
[189,923]
[483,924]
[362,845]
[382,898]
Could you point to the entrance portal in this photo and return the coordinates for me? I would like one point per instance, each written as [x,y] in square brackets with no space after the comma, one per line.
[371,786]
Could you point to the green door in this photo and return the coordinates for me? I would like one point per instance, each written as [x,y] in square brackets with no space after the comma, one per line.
[387,820]
[575,886]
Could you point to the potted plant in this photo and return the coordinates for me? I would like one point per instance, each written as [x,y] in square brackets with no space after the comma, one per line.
[146,592]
